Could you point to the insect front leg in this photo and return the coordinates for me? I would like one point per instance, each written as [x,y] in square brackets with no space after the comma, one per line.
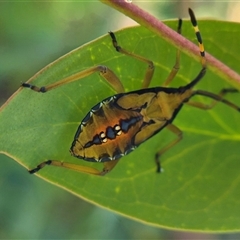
[216,98]
[105,72]
[176,66]
[179,134]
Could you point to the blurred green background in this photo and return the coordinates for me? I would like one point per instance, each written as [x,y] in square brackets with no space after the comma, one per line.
[33,34]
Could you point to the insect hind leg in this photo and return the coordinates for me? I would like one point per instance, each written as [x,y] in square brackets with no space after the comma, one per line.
[105,72]
[75,167]
[108,166]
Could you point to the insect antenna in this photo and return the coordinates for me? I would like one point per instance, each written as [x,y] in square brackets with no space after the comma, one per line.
[201,49]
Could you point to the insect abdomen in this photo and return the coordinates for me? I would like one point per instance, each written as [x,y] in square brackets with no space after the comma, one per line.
[107,132]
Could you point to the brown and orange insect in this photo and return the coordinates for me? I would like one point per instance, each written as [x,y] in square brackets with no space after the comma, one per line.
[120,123]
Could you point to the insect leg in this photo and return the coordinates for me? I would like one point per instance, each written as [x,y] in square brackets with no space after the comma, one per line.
[108,75]
[108,166]
[150,69]
[216,98]
[75,167]
[176,66]
[179,134]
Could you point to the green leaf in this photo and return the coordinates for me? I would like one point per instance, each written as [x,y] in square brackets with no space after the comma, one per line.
[199,188]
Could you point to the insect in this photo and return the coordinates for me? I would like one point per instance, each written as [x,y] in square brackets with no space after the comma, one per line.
[119,124]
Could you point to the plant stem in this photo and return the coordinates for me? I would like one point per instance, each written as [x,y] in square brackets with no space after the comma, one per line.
[153,24]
